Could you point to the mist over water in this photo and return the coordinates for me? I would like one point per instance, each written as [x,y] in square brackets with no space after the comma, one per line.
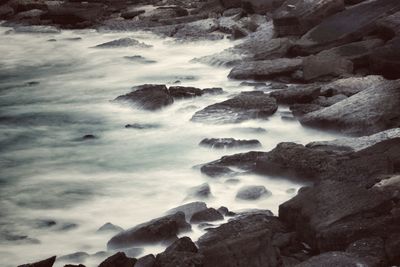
[54,92]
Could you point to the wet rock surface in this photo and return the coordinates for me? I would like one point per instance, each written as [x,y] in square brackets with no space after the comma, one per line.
[221,143]
[240,108]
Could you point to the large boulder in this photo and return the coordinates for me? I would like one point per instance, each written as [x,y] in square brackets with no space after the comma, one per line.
[245,106]
[368,112]
[265,69]
[347,26]
[161,230]
[296,17]
[148,96]
[244,241]
[332,215]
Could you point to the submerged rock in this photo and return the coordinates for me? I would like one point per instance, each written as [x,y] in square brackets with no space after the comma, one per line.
[238,109]
[142,126]
[123,42]
[76,257]
[109,227]
[148,96]
[161,230]
[252,192]
[140,59]
[228,143]
[201,191]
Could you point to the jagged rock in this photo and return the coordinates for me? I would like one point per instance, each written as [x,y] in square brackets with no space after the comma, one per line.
[386,60]
[244,241]
[118,260]
[252,192]
[148,96]
[238,109]
[164,229]
[109,227]
[228,143]
[201,191]
[357,144]
[347,26]
[182,253]
[45,263]
[368,112]
[296,17]
[124,42]
[208,215]
[189,209]
[265,69]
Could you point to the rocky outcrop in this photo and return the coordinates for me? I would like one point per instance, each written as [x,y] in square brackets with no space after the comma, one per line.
[347,26]
[161,230]
[296,17]
[245,106]
[368,112]
[386,60]
[222,143]
[181,253]
[148,96]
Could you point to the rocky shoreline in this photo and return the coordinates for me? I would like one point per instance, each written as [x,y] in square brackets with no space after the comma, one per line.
[335,63]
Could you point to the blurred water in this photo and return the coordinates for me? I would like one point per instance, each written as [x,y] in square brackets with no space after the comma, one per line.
[54,92]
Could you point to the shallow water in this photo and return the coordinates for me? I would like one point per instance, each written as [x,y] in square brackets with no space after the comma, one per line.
[54,92]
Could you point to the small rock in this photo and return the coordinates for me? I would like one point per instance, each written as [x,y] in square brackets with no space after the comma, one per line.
[252,192]
[123,42]
[208,215]
[109,227]
[201,191]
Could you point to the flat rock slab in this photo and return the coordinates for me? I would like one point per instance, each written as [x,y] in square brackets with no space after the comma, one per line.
[245,106]
[265,69]
[347,26]
[296,17]
[368,112]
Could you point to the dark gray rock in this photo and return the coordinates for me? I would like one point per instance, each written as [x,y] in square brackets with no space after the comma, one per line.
[208,215]
[164,230]
[216,171]
[252,192]
[222,143]
[148,96]
[266,69]
[189,209]
[184,92]
[370,249]
[299,94]
[182,253]
[238,109]
[123,42]
[347,26]
[45,263]
[118,260]
[386,60]
[146,261]
[368,112]
[296,17]
[130,14]
[244,241]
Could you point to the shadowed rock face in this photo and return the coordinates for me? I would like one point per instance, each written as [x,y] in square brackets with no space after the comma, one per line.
[45,263]
[118,260]
[344,27]
[164,229]
[386,60]
[336,258]
[245,106]
[181,253]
